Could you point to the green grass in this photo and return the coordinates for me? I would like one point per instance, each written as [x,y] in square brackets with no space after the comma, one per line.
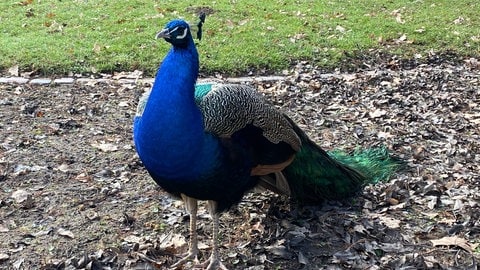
[53,36]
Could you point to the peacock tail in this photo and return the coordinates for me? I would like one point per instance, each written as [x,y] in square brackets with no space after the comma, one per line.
[376,163]
[315,175]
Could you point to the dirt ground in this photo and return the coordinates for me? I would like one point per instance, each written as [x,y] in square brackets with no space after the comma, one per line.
[73,194]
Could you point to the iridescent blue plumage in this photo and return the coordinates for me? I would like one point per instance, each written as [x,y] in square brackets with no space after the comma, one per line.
[170,137]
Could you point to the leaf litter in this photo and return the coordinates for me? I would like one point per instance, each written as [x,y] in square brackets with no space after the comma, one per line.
[75,196]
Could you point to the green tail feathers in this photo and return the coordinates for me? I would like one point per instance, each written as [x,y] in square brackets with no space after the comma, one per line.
[315,175]
[375,164]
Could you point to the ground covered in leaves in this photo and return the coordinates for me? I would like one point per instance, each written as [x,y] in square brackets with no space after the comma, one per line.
[74,195]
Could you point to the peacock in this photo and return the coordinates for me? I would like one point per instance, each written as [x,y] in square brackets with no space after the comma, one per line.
[215,142]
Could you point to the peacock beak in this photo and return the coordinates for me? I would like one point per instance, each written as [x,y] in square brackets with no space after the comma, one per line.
[165,33]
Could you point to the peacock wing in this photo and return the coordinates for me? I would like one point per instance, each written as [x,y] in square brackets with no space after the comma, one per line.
[229,108]
[238,111]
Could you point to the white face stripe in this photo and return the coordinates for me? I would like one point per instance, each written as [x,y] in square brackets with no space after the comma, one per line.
[184,34]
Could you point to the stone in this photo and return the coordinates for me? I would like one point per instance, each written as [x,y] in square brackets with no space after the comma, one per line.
[14,80]
[85,80]
[127,81]
[41,81]
[64,81]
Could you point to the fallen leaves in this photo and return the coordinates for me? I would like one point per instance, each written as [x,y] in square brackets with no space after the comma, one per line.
[397,13]
[79,167]
[54,26]
[455,241]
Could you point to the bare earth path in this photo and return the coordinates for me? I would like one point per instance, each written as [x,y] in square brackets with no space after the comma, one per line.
[73,194]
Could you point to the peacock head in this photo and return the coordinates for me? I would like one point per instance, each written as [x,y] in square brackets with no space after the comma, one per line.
[178,33]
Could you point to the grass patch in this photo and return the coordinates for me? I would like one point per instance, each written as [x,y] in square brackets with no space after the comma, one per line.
[83,36]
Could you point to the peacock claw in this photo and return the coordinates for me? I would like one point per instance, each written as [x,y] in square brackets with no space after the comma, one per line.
[212,264]
[193,254]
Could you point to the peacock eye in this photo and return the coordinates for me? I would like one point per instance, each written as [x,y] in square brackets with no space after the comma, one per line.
[181,32]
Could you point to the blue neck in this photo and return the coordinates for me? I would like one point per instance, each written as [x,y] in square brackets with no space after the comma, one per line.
[170,136]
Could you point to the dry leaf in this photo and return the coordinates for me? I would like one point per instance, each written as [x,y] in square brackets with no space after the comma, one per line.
[458,205]
[54,27]
[230,24]
[128,75]
[42,232]
[178,241]
[340,29]
[243,22]
[83,177]
[13,71]
[105,147]
[397,13]
[18,249]
[96,48]
[398,206]
[360,229]
[18,263]
[389,222]
[66,233]
[4,257]
[123,104]
[4,228]
[432,203]
[384,135]
[459,20]
[399,19]
[63,168]
[25,2]
[302,259]
[132,239]
[202,245]
[258,227]
[21,196]
[278,249]
[377,113]
[473,117]
[454,241]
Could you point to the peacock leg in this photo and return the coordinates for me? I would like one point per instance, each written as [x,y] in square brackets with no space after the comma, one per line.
[214,260]
[191,207]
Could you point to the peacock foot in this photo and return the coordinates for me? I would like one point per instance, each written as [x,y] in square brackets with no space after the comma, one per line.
[212,264]
[192,255]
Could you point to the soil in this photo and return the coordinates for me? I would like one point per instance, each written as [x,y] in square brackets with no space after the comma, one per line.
[75,196]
